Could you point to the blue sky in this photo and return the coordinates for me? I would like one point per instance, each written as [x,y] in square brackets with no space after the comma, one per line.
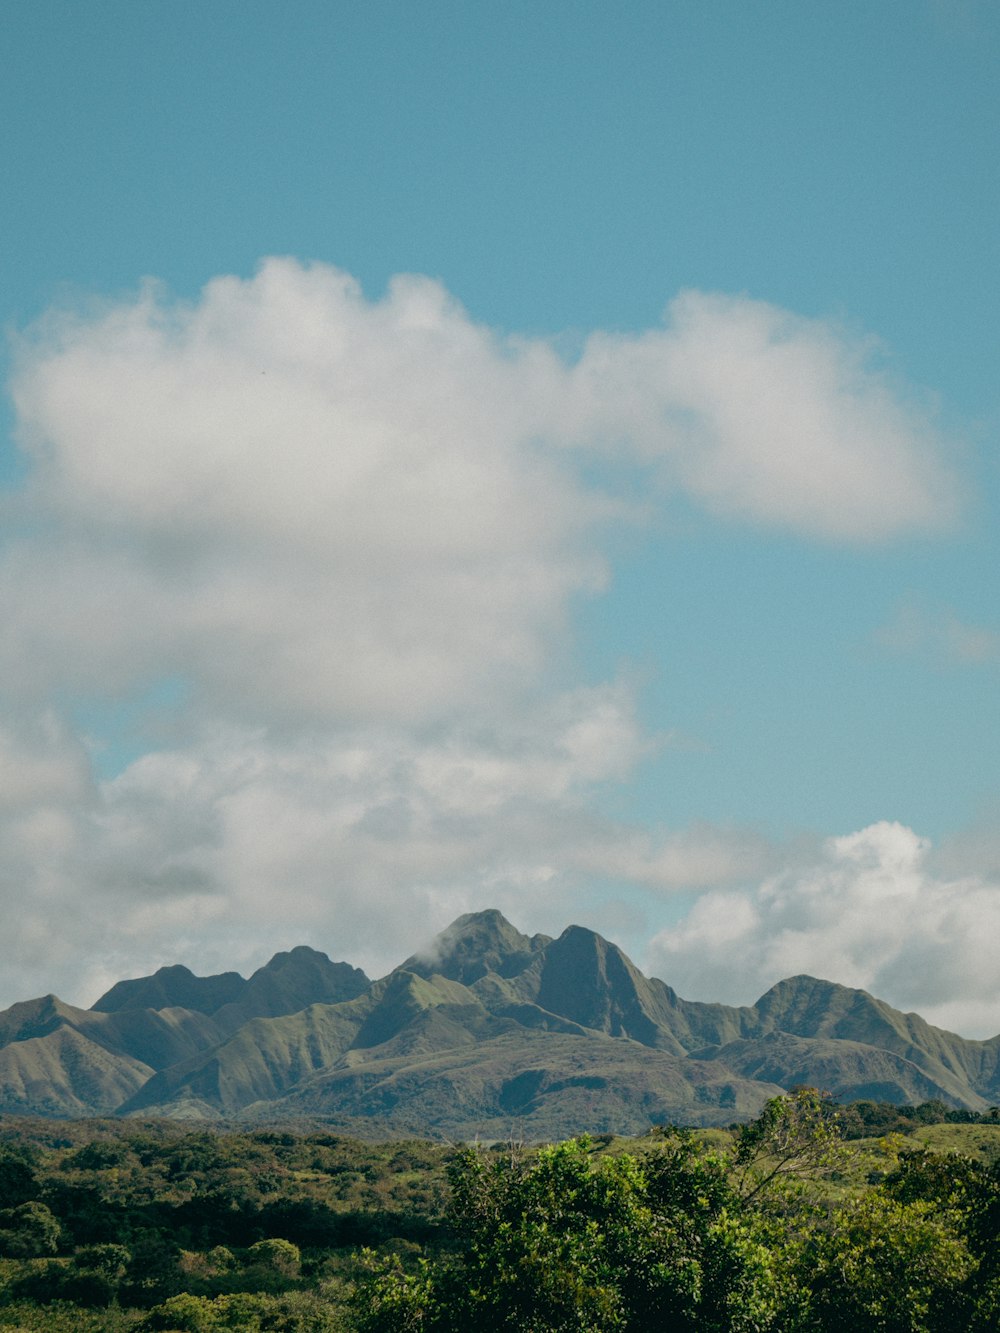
[632,561]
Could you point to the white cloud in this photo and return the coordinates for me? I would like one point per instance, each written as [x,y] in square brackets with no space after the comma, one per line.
[771,418]
[867,910]
[40,763]
[362,842]
[317,504]
[699,857]
[355,531]
[305,501]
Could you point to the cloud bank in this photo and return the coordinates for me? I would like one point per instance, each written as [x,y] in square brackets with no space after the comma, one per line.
[310,502]
[353,533]
[869,909]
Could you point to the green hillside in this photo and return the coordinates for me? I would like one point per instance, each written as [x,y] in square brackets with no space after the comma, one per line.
[487,1032]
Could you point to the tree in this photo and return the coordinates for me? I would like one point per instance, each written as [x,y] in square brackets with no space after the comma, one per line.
[562,1241]
[272,1265]
[17,1179]
[183,1313]
[277,1256]
[887,1265]
[968,1192]
[29,1231]
[795,1136]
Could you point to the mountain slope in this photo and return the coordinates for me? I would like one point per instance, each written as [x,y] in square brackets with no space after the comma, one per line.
[65,1074]
[535,1085]
[486,1031]
[266,1057]
[155,1038]
[139,1028]
[847,1070]
[811,1008]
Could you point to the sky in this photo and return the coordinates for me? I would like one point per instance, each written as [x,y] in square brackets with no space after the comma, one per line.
[539,455]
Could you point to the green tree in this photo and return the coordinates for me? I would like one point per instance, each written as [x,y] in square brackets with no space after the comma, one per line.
[18,1182]
[563,1241]
[154,1270]
[968,1192]
[796,1136]
[277,1256]
[110,1260]
[29,1231]
[184,1313]
[887,1265]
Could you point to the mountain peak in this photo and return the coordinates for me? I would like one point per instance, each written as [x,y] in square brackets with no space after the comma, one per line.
[34,1018]
[172,987]
[484,1023]
[474,944]
[291,980]
[792,999]
[295,978]
[591,981]
[298,956]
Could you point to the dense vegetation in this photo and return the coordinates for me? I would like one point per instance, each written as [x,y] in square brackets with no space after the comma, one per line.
[785,1224]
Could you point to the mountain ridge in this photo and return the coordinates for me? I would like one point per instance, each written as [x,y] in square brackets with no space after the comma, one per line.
[484,1029]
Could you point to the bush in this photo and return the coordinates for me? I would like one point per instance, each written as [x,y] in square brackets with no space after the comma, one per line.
[30,1231]
[276,1256]
[296,1312]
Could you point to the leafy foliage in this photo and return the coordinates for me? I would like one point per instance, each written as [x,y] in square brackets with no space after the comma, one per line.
[783,1225]
[796,1136]
[567,1241]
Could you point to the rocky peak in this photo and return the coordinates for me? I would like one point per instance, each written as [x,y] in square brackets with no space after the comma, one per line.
[475,944]
[174,987]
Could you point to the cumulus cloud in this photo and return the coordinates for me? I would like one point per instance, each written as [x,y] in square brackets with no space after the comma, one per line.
[771,418]
[305,501]
[355,531]
[869,909]
[789,414]
[360,842]
[701,856]
[313,501]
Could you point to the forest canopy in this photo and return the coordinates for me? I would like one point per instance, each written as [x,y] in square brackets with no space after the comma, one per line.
[812,1217]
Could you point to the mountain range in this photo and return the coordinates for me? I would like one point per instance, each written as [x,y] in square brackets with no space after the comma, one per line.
[487,1033]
